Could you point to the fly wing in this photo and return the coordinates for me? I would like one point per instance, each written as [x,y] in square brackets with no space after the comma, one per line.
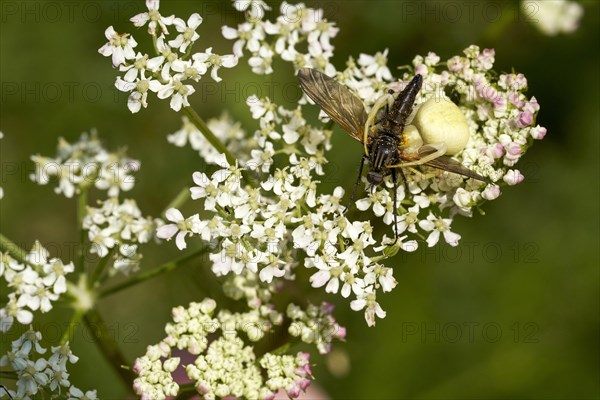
[336,100]
[450,164]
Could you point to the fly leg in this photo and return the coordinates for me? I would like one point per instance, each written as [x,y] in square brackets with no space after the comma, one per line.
[395,180]
[360,169]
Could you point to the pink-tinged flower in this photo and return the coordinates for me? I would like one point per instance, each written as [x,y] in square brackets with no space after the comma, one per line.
[491,192]
[538,132]
[496,151]
[513,153]
[525,119]
[513,177]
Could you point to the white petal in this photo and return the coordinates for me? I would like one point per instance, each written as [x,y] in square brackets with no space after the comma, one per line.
[229,33]
[358,304]
[194,20]
[320,278]
[166,231]
[180,240]
[433,238]
[174,215]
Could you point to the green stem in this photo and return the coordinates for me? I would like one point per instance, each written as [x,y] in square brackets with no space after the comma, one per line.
[166,267]
[214,141]
[13,250]
[178,201]
[9,375]
[100,269]
[109,347]
[186,391]
[75,320]
[81,211]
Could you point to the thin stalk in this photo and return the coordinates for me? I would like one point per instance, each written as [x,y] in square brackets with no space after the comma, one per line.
[13,250]
[214,141]
[108,346]
[75,320]
[81,210]
[166,267]
[186,391]
[99,269]
[178,201]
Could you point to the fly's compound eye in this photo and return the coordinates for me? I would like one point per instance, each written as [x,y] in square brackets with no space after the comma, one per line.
[375,178]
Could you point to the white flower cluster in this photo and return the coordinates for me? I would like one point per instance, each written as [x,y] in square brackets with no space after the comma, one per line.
[300,35]
[42,375]
[33,285]
[173,64]
[315,325]
[120,226]
[85,163]
[552,17]
[262,229]
[259,228]
[229,132]
[224,365]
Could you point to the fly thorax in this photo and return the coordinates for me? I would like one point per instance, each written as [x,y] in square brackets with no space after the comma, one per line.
[384,151]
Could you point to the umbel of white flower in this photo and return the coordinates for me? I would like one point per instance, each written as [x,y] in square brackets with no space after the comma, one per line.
[34,285]
[258,228]
[41,372]
[222,365]
[286,221]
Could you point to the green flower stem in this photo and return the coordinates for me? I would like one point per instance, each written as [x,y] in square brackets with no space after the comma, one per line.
[178,201]
[13,250]
[214,141]
[166,267]
[75,320]
[109,347]
[100,268]
[9,375]
[186,391]
[81,210]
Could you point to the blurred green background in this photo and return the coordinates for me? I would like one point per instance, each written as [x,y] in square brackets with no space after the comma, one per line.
[512,313]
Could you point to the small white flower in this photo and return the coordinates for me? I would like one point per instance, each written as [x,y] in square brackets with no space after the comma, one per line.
[138,92]
[375,65]
[216,61]
[178,93]
[249,36]
[181,227]
[368,301]
[254,8]
[552,17]
[513,177]
[153,15]
[187,32]
[435,226]
[77,394]
[120,46]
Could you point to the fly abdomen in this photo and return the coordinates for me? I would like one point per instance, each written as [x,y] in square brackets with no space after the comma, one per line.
[403,105]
